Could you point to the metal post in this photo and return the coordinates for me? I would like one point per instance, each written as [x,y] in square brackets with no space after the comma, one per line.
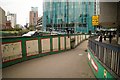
[67,17]
[118,5]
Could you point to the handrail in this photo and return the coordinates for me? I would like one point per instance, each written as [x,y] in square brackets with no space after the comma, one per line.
[106,45]
[108,54]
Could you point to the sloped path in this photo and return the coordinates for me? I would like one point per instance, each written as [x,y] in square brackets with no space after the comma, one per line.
[69,64]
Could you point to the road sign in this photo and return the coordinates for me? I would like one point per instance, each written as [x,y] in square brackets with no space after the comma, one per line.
[95,20]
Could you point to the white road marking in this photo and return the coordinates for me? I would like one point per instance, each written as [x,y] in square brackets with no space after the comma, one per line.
[80,54]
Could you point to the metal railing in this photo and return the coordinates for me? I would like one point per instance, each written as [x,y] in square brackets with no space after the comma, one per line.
[108,54]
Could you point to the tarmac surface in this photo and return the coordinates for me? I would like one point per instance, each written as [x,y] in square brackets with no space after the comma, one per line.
[69,64]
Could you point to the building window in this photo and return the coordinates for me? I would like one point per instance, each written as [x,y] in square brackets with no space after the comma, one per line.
[89,3]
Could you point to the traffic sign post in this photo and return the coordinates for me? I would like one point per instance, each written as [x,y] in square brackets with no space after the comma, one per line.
[95,20]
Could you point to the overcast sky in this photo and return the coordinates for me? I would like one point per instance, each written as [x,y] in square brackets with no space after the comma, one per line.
[21,8]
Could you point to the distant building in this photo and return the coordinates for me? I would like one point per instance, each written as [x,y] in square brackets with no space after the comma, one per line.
[12,18]
[33,16]
[2,19]
[8,25]
[39,24]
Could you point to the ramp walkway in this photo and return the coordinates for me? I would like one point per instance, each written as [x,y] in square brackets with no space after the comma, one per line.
[69,64]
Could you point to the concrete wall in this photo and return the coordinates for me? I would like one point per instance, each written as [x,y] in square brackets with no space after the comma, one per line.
[108,14]
[119,14]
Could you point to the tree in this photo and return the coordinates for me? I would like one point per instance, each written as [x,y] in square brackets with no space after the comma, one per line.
[17,26]
[31,27]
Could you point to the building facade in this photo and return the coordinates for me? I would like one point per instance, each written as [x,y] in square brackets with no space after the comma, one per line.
[68,14]
[12,18]
[33,16]
[39,24]
[8,25]
[2,19]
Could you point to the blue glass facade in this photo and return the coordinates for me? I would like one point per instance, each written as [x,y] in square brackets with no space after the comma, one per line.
[75,16]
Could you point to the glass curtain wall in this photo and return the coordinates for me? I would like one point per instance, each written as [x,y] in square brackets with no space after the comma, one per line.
[62,15]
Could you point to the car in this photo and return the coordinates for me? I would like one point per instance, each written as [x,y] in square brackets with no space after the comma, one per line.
[32,33]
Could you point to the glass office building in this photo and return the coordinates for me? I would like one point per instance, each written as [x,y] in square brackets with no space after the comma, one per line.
[74,15]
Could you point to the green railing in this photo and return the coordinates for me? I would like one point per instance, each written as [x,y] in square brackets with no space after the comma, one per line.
[104,59]
[15,50]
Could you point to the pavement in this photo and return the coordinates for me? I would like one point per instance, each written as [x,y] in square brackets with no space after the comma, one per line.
[69,64]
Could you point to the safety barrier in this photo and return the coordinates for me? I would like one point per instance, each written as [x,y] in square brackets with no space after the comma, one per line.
[104,59]
[15,50]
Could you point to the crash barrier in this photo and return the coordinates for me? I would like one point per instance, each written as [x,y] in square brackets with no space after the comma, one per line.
[15,50]
[104,59]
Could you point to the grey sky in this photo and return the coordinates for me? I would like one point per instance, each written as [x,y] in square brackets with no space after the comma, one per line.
[22,8]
